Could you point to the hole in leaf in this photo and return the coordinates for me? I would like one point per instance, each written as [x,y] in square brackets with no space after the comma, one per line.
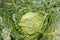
[54,6]
[12,38]
[48,3]
[59,9]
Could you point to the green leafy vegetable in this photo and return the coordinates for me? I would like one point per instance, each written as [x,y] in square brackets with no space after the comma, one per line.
[29,19]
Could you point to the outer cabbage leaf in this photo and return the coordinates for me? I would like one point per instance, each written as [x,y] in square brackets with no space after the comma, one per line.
[53,32]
